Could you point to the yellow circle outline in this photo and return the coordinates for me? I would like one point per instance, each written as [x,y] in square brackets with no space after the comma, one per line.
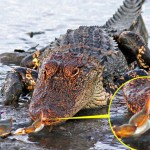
[110,106]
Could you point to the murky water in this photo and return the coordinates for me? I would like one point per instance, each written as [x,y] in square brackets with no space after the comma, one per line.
[53,18]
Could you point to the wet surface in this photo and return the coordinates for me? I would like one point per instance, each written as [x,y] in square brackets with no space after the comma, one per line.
[48,19]
[121,115]
[73,134]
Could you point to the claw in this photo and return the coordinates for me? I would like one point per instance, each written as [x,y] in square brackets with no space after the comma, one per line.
[125,130]
[138,124]
[5,127]
[35,127]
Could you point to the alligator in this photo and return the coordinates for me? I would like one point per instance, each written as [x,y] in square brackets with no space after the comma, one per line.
[80,69]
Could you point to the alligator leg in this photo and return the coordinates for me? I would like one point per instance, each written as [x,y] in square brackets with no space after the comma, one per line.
[138,124]
[134,48]
[18,81]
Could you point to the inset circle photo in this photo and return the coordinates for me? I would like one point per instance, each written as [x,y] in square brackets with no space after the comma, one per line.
[130,113]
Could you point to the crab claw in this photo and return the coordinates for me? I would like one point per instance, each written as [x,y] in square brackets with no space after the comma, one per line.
[138,124]
[35,127]
[125,130]
[5,127]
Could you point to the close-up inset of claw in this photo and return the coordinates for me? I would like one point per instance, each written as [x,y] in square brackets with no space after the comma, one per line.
[133,101]
[138,124]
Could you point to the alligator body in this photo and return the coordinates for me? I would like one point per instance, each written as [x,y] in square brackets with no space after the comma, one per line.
[80,69]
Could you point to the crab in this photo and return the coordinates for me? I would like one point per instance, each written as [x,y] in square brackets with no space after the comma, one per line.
[138,102]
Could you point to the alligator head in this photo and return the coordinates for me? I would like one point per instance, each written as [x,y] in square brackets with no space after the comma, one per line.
[65,85]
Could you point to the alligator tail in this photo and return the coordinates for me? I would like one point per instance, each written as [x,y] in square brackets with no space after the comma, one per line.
[128,17]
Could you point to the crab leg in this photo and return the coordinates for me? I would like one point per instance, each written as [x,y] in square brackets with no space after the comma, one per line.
[137,125]
[35,127]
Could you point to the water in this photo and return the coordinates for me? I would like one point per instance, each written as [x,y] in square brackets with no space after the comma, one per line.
[52,17]
[17,18]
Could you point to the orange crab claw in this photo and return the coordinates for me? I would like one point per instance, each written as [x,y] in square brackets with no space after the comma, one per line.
[35,127]
[139,119]
[125,130]
[142,117]
[138,124]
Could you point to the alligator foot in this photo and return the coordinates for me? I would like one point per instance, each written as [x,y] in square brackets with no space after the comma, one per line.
[18,81]
[134,48]
[138,124]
